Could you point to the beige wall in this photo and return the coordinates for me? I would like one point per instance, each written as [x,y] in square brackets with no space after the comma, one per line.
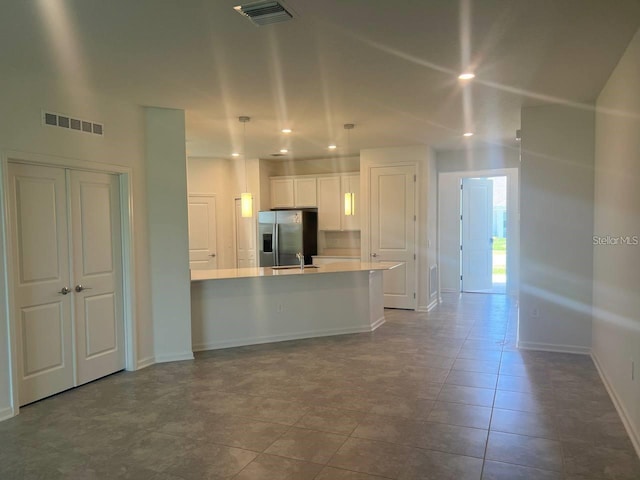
[556,208]
[616,275]
[478,158]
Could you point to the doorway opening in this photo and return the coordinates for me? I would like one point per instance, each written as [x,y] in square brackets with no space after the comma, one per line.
[483,234]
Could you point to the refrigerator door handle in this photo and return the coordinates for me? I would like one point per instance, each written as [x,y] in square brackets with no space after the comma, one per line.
[276,244]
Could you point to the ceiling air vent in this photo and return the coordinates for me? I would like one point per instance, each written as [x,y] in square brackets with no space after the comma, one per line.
[264,13]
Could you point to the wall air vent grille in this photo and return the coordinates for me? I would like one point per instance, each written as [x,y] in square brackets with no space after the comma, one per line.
[264,13]
[70,123]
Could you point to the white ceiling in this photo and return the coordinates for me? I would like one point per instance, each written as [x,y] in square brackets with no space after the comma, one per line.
[389,66]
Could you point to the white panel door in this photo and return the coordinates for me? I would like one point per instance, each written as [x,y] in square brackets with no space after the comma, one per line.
[202,232]
[245,238]
[97,274]
[38,219]
[477,249]
[392,238]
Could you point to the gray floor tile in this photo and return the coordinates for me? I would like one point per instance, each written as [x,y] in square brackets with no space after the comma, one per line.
[309,445]
[506,471]
[522,450]
[431,465]
[524,423]
[376,458]
[482,397]
[460,414]
[332,473]
[331,420]
[267,467]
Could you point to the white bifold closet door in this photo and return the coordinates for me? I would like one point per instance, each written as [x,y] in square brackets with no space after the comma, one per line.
[67,277]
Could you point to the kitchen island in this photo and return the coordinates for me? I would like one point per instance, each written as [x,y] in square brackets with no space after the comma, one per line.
[246,306]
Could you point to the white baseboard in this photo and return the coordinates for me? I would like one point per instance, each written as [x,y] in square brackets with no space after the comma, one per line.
[241,342]
[551,347]
[450,290]
[145,362]
[174,357]
[6,413]
[634,435]
[377,323]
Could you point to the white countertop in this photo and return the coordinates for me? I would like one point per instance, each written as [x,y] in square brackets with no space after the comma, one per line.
[252,272]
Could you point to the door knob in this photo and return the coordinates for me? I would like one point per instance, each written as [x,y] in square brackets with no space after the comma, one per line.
[374,254]
[212,255]
[64,290]
[80,288]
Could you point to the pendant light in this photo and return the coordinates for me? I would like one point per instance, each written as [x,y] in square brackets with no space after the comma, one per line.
[349,197]
[246,199]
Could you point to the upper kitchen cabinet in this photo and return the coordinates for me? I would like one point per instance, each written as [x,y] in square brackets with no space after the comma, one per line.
[331,199]
[293,192]
[304,192]
[330,207]
[282,192]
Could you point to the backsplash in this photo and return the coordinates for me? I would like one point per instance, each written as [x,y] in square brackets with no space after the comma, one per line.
[339,243]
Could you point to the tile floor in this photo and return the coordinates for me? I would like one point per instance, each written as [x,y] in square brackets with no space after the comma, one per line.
[443,395]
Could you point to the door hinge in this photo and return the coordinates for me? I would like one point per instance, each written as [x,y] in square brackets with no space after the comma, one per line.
[414,218]
[460,277]
[460,217]
[414,256]
[460,247]
[414,294]
[461,187]
[415,177]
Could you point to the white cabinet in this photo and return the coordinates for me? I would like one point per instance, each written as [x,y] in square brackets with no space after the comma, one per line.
[282,192]
[350,184]
[325,192]
[293,192]
[330,206]
[304,192]
[331,192]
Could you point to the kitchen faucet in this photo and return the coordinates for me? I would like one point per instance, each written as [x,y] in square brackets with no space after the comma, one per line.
[300,257]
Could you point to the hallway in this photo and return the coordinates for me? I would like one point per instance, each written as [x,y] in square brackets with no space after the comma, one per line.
[427,396]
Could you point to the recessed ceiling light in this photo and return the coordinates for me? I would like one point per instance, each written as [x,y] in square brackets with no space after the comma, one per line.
[235,154]
[466,76]
[286,130]
[468,134]
[284,150]
[332,147]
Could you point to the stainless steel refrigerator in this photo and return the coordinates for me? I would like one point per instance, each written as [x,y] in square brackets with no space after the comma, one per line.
[284,233]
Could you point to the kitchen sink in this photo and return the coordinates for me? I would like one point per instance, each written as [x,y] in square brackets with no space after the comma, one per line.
[293,267]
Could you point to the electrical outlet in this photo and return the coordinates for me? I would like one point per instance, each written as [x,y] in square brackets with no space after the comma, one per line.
[280,308]
[535,312]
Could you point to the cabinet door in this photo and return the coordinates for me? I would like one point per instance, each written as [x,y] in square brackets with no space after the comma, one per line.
[282,193]
[304,190]
[329,203]
[351,184]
